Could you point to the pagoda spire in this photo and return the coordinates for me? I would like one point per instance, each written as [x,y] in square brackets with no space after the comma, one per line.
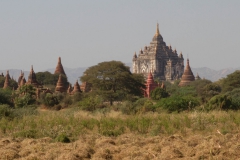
[76,88]
[59,68]
[6,82]
[157,31]
[187,76]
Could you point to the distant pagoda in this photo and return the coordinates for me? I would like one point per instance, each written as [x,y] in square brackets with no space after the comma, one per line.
[59,68]
[32,79]
[6,82]
[187,76]
[150,85]
[60,85]
[76,88]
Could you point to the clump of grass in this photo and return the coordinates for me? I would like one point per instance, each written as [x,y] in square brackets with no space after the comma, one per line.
[62,138]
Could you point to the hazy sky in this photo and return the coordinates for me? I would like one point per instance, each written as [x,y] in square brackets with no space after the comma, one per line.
[86,32]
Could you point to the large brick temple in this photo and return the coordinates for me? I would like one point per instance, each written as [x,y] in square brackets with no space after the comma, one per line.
[160,59]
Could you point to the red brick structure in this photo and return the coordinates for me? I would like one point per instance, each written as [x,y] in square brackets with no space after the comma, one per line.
[187,76]
[32,79]
[23,82]
[60,85]
[69,90]
[76,88]
[150,85]
[59,69]
[6,82]
[20,78]
[85,87]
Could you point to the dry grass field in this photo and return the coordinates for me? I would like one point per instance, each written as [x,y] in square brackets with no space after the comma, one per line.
[112,135]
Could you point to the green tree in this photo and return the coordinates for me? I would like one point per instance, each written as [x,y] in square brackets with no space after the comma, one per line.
[220,102]
[199,86]
[48,99]
[231,82]
[113,80]
[235,96]
[6,96]
[158,93]
[25,96]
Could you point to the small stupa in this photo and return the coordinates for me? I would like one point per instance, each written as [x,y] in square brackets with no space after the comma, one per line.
[150,85]
[163,86]
[60,85]
[59,69]
[23,82]
[187,76]
[32,79]
[20,77]
[197,77]
[6,82]
[76,88]
[69,90]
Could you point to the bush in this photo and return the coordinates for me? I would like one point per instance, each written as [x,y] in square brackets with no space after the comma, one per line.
[6,111]
[5,96]
[90,103]
[142,105]
[235,95]
[178,103]
[158,93]
[48,99]
[220,102]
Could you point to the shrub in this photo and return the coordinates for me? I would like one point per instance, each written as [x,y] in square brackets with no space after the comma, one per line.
[5,96]
[62,138]
[49,99]
[90,103]
[158,93]
[6,111]
[220,102]
[26,133]
[178,103]
[142,105]
[25,96]
[235,95]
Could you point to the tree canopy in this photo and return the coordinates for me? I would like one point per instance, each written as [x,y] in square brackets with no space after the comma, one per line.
[113,80]
[231,82]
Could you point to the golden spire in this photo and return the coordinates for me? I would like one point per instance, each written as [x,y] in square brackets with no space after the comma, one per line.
[157,31]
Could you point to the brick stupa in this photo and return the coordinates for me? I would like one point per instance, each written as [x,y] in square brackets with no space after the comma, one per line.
[60,85]
[76,88]
[20,78]
[59,69]
[150,85]
[85,87]
[69,90]
[187,76]
[23,82]
[6,82]
[32,79]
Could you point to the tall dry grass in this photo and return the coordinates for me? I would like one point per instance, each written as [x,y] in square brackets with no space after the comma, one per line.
[73,122]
